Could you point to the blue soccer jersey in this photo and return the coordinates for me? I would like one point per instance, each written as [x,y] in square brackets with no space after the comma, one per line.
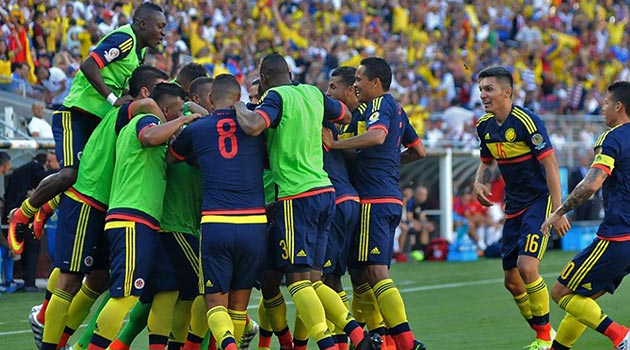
[518,145]
[612,155]
[231,162]
[377,168]
[335,166]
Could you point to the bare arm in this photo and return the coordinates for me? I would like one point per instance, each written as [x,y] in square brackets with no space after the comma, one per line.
[251,123]
[146,106]
[370,138]
[92,73]
[159,134]
[480,187]
[561,224]
[413,153]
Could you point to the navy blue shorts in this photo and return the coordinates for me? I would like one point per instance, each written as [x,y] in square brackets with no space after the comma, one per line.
[232,255]
[177,266]
[80,244]
[342,229]
[522,236]
[600,266]
[133,253]
[374,241]
[71,129]
[300,236]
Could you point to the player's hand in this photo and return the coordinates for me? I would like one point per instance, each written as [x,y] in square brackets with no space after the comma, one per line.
[558,222]
[195,108]
[482,192]
[122,100]
[327,138]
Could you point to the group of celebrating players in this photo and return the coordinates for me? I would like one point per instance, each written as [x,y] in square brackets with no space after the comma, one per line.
[296,185]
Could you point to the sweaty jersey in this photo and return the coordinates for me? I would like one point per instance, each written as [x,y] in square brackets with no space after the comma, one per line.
[231,163]
[517,145]
[94,178]
[182,199]
[117,56]
[294,115]
[139,179]
[612,155]
[335,166]
[378,167]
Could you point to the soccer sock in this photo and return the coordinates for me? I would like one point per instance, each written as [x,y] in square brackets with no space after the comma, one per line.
[221,327]
[277,315]
[50,287]
[569,331]
[198,324]
[522,302]
[311,311]
[53,204]
[393,309]
[337,312]
[539,303]
[57,315]
[300,334]
[344,299]
[369,307]
[160,319]
[239,319]
[355,306]
[78,311]
[340,337]
[86,335]
[265,332]
[588,312]
[138,316]
[28,209]
[181,320]
[110,320]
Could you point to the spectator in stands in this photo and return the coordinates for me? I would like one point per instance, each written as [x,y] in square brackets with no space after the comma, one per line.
[475,214]
[6,255]
[5,62]
[38,127]
[420,227]
[53,80]
[19,80]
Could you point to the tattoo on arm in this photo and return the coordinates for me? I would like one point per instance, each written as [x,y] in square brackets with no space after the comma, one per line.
[584,190]
[487,175]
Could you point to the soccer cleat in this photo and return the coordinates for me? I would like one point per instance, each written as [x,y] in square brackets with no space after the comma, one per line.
[539,344]
[40,218]
[418,345]
[371,341]
[17,229]
[38,328]
[625,343]
[249,335]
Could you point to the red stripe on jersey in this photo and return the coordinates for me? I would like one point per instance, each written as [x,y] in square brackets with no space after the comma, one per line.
[510,216]
[515,160]
[91,202]
[343,113]
[128,217]
[234,212]
[98,60]
[143,129]
[623,238]
[379,126]
[175,154]
[413,144]
[544,154]
[603,168]
[265,116]
[392,200]
[346,198]
[486,159]
[308,193]
[129,110]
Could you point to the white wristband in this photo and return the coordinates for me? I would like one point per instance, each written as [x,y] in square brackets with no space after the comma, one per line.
[111,98]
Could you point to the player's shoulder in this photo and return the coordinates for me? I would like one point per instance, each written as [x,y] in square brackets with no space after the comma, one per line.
[527,118]
[619,133]
[483,119]
[382,104]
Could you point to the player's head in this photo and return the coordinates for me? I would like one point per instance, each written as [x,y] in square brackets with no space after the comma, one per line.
[372,79]
[200,92]
[254,91]
[143,80]
[148,24]
[225,91]
[341,85]
[274,71]
[5,162]
[616,108]
[495,84]
[170,98]
[188,73]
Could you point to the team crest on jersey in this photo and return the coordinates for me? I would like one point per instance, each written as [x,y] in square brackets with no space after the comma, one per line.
[510,135]
[139,283]
[538,141]
[88,261]
[111,54]
[374,117]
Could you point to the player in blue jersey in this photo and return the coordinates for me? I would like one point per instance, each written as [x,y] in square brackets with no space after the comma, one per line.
[516,140]
[601,266]
[233,242]
[377,165]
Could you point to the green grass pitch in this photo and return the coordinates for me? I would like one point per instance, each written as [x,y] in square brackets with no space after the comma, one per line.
[450,306]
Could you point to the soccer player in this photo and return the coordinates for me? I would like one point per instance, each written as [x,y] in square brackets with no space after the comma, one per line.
[305,200]
[377,165]
[96,88]
[135,208]
[79,244]
[601,266]
[233,239]
[187,74]
[516,139]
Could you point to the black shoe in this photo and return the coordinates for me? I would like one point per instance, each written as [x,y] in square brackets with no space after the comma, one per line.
[418,345]
[370,342]
[31,289]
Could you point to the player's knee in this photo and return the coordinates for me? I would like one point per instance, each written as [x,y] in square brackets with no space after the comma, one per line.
[513,287]
[558,291]
[66,177]
[334,282]
[528,271]
[377,273]
[98,281]
[69,282]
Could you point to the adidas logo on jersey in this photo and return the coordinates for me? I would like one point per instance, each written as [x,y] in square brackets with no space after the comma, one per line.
[587,286]
[301,253]
[328,263]
[487,137]
[375,251]
[209,284]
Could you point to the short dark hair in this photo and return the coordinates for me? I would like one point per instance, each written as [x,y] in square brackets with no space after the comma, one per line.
[346,74]
[376,67]
[162,90]
[502,74]
[142,12]
[4,158]
[274,64]
[225,86]
[144,76]
[199,84]
[190,72]
[41,157]
[620,92]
